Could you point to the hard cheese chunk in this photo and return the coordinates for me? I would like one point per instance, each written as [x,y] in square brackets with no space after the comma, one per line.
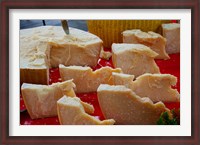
[135,59]
[172,33]
[125,107]
[48,46]
[40,100]
[85,78]
[151,39]
[71,112]
[155,86]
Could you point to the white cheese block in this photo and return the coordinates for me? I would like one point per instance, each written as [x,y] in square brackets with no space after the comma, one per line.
[151,39]
[40,100]
[85,78]
[172,33]
[135,59]
[71,112]
[48,46]
[155,86]
[125,107]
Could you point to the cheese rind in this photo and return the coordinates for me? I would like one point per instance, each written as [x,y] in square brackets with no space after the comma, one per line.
[151,39]
[40,100]
[71,112]
[172,33]
[135,59]
[125,107]
[155,86]
[85,78]
[48,46]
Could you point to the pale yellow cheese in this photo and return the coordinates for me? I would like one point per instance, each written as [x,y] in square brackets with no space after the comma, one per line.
[85,78]
[155,86]
[151,39]
[125,107]
[40,100]
[172,33]
[105,54]
[71,112]
[135,59]
[48,46]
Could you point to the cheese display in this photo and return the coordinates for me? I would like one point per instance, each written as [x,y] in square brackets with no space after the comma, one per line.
[135,59]
[71,112]
[151,39]
[40,100]
[125,107]
[48,46]
[155,86]
[85,78]
[172,33]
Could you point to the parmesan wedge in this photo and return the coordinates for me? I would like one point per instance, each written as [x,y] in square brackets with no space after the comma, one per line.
[48,46]
[71,112]
[135,59]
[172,33]
[125,107]
[40,100]
[155,86]
[151,39]
[85,78]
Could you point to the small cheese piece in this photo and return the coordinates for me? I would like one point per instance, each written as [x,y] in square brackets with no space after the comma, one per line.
[105,54]
[155,86]
[40,100]
[172,33]
[135,59]
[151,39]
[125,107]
[71,112]
[85,78]
[48,46]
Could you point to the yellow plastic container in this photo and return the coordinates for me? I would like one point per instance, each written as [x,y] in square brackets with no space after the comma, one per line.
[110,31]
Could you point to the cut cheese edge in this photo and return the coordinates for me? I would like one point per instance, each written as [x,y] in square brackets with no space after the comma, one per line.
[172,33]
[151,39]
[40,100]
[125,107]
[71,112]
[135,59]
[85,78]
[155,86]
[48,46]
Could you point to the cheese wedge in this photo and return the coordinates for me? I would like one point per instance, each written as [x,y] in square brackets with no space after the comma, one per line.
[48,46]
[40,100]
[125,107]
[172,33]
[135,59]
[155,86]
[151,39]
[85,78]
[71,112]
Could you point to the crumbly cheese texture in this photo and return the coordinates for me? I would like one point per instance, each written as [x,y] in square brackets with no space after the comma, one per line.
[172,33]
[85,78]
[125,107]
[158,87]
[71,112]
[48,46]
[40,100]
[135,59]
[151,39]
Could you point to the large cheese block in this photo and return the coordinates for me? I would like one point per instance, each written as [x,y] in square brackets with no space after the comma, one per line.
[85,78]
[125,107]
[40,100]
[71,112]
[135,59]
[151,39]
[48,46]
[172,33]
[155,86]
